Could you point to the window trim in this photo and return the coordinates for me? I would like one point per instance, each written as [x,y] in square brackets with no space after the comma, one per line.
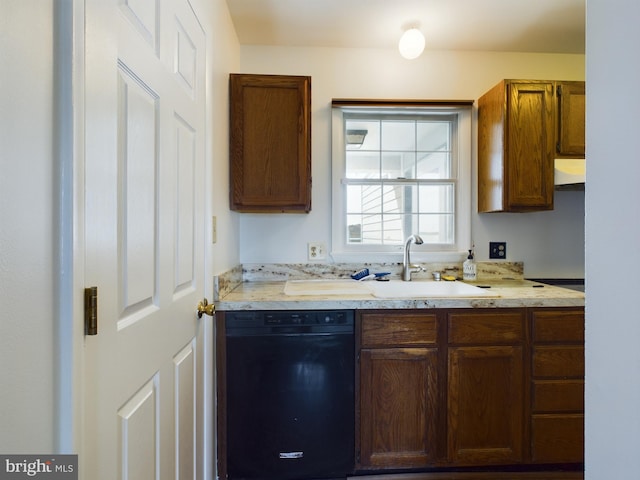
[343,252]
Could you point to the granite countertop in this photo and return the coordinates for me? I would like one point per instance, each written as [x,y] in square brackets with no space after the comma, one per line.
[504,293]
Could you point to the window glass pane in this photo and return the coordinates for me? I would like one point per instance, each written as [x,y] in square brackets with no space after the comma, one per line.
[392,199]
[367,131]
[398,165]
[436,198]
[364,198]
[354,228]
[372,229]
[362,164]
[393,233]
[437,228]
[434,165]
[399,135]
[434,136]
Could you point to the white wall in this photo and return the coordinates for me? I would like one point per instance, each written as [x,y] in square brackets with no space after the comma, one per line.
[368,73]
[28,217]
[223,57]
[612,236]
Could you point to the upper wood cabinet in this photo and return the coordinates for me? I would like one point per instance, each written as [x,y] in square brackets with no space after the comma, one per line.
[270,143]
[522,126]
[571,119]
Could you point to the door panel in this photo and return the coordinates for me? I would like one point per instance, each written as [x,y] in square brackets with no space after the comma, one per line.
[185,409]
[138,424]
[137,205]
[145,238]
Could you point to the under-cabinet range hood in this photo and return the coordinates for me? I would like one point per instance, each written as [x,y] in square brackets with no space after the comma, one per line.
[569,172]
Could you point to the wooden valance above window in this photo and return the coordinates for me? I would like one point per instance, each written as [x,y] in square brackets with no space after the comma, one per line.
[369,102]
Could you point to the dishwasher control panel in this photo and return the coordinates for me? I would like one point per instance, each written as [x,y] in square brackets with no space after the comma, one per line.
[309,319]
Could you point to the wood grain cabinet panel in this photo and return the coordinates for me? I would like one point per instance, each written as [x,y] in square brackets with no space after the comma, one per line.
[400,390]
[270,143]
[489,327]
[485,405]
[523,125]
[398,329]
[557,385]
[469,388]
[399,407]
[563,361]
[558,396]
[516,144]
[485,386]
[571,119]
[557,438]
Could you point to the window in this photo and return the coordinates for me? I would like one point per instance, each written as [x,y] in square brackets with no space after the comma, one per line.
[400,170]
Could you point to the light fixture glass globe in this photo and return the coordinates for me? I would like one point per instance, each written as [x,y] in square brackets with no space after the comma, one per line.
[411,44]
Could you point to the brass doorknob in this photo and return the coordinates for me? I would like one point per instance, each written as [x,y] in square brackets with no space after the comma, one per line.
[206,308]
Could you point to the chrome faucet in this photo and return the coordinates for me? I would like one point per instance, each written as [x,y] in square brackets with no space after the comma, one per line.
[407,268]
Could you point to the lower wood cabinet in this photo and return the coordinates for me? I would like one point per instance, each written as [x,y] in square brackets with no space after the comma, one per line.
[399,405]
[557,386]
[469,388]
[485,387]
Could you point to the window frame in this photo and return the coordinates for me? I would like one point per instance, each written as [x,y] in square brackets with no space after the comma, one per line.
[461,171]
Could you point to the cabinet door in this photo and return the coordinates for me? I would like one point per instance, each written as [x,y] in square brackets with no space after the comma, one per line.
[485,405]
[398,407]
[270,143]
[571,119]
[516,144]
[530,146]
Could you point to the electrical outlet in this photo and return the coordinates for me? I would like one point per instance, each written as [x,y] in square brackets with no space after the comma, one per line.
[498,250]
[316,251]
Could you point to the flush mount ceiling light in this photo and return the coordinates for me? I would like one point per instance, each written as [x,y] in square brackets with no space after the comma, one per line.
[356,137]
[411,44]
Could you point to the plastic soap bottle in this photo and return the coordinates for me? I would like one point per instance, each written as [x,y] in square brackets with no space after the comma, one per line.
[469,268]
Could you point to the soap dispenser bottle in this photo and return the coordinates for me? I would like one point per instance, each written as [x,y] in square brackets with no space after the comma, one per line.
[469,268]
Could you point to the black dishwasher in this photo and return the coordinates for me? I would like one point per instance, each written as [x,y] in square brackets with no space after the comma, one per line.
[290,394]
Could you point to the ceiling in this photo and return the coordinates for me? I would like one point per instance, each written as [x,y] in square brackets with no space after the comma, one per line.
[549,26]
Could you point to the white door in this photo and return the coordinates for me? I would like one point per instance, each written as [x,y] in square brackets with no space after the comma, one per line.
[144,238]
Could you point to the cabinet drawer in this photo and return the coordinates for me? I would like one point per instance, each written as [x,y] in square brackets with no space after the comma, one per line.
[558,396]
[398,329]
[560,361]
[557,438]
[493,328]
[558,326]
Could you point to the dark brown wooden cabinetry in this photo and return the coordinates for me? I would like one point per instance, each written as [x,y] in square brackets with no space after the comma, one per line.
[557,386]
[485,387]
[477,388]
[399,405]
[270,143]
[522,126]
[571,106]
